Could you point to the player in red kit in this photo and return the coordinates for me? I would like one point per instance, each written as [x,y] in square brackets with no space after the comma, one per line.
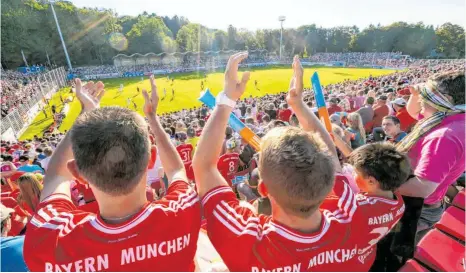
[228,162]
[109,149]
[296,174]
[185,150]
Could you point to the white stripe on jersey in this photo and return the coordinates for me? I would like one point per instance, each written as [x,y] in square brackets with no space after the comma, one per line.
[245,225]
[239,216]
[234,230]
[214,192]
[373,200]
[347,202]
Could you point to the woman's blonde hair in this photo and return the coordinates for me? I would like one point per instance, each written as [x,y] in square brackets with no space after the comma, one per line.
[30,188]
[356,123]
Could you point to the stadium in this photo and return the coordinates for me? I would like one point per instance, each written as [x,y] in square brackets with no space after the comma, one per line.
[152,143]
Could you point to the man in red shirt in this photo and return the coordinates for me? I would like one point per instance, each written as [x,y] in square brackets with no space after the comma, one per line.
[380,110]
[185,150]
[109,149]
[296,173]
[407,122]
[284,113]
[228,162]
[334,108]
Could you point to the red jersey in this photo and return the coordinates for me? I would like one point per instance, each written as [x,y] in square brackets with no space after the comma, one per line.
[228,165]
[334,109]
[185,151]
[249,242]
[161,237]
[284,115]
[373,218]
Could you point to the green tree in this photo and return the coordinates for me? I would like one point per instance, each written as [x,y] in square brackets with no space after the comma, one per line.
[450,39]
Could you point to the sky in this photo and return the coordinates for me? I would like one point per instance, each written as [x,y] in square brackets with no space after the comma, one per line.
[260,14]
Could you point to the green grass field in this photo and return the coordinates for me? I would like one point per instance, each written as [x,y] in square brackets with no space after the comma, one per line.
[187,88]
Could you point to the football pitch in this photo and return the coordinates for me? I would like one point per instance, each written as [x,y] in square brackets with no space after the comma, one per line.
[187,87]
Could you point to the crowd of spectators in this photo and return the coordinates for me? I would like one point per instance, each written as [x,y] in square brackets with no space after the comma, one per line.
[178,64]
[115,165]
[389,59]
[17,88]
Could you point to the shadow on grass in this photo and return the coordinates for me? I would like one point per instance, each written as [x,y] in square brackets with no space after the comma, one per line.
[342,74]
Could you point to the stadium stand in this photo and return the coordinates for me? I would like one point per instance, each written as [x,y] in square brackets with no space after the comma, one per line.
[441,249]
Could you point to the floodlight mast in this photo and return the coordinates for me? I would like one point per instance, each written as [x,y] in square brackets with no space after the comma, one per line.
[61,36]
[281,19]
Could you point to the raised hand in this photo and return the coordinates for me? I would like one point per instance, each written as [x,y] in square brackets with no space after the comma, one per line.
[295,91]
[90,94]
[151,103]
[233,88]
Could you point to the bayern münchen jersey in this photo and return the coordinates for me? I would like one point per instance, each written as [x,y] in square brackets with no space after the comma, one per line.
[374,217]
[161,237]
[228,165]
[250,242]
[185,151]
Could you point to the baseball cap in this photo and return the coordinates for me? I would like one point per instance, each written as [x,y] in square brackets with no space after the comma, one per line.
[399,101]
[5,212]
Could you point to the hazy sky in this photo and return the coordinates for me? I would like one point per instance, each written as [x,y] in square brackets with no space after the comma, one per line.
[254,14]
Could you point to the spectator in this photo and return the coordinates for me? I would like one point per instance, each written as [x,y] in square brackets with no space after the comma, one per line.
[367,112]
[11,247]
[297,172]
[26,166]
[243,108]
[406,121]
[391,127]
[294,121]
[336,119]
[436,146]
[30,189]
[192,138]
[228,163]
[356,129]
[333,108]
[380,171]
[271,111]
[113,157]
[185,150]
[45,162]
[248,190]
[228,135]
[284,113]
[344,103]
[359,100]
[380,111]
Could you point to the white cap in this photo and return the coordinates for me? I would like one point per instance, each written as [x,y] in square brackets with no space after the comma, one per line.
[399,101]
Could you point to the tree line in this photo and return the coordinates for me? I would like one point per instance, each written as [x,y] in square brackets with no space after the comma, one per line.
[94,36]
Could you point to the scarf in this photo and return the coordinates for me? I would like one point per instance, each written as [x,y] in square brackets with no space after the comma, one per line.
[437,101]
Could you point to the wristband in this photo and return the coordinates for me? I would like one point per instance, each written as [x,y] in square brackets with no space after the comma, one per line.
[223,99]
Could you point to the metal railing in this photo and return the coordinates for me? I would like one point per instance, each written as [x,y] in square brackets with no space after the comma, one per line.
[21,117]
